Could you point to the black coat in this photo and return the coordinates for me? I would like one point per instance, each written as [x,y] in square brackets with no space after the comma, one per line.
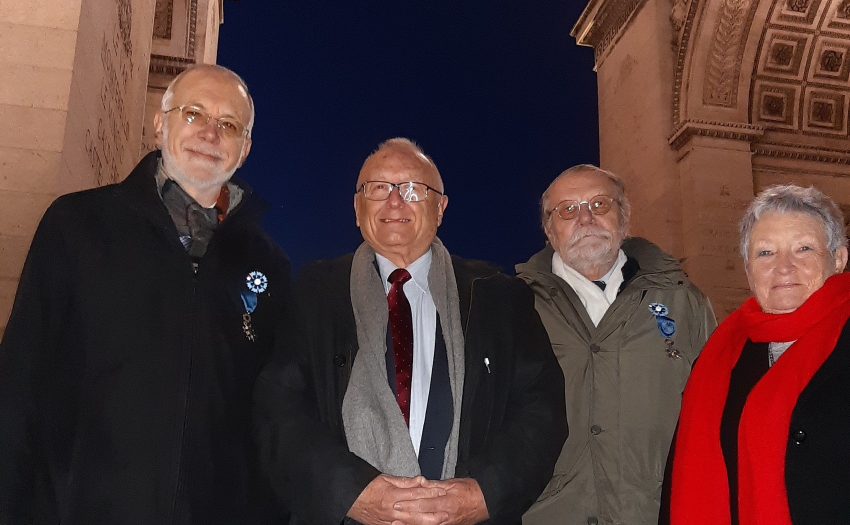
[817,455]
[125,377]
[513,421]
[817,458]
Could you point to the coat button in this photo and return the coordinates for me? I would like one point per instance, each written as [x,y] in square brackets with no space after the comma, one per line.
[339,360]
[799,437]
[594,348]
[592,521]
[595,430]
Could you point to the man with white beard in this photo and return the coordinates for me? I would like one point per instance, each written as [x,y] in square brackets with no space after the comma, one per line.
[626,325]
[144,313]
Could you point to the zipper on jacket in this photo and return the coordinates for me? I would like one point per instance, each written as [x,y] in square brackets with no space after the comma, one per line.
[177,518]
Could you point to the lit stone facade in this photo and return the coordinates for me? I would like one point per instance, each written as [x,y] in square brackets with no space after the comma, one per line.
[80,80]
[703,103]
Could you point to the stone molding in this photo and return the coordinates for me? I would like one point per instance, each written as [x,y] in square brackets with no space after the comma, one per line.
[810,153]
[683,40]
[169,64]
[602,23]
[714,129]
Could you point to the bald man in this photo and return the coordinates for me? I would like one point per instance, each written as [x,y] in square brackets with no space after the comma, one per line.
[144,313]
[424,390]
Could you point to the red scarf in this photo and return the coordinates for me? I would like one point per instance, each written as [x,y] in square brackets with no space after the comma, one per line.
[700,489]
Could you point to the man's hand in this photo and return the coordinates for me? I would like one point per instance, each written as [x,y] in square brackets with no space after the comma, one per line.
[462,504]
[376,505]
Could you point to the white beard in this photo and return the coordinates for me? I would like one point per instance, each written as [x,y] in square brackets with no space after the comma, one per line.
[215,178]
[584,254]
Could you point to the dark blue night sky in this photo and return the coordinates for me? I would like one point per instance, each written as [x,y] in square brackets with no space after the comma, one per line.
[496,92]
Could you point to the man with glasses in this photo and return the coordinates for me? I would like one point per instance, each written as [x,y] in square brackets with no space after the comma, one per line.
[424,389]
[626,326]
[144,313]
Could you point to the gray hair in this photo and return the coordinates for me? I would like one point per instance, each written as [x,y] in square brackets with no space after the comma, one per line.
[624,209]
[240,85]
[791,198]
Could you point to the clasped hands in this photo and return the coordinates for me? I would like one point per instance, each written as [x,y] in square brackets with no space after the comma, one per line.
[392,500]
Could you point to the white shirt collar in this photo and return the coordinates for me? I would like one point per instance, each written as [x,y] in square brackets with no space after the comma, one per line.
[418,269]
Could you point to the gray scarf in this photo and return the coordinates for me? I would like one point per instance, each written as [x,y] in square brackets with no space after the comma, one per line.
[374,426]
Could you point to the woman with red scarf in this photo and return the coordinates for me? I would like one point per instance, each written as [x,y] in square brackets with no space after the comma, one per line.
[764,431]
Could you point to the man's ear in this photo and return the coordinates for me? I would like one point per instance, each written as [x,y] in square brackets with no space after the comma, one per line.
[158,123]
[356,212]
[441,208]
[246,148]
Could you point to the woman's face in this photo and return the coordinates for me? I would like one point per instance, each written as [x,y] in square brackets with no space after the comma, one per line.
[789,260]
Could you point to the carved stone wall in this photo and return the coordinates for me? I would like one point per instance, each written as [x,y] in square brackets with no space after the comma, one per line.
[759,93]
[74,93]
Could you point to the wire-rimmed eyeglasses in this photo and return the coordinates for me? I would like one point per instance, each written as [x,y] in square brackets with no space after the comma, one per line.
[598,205]
[197,116]
[379,190]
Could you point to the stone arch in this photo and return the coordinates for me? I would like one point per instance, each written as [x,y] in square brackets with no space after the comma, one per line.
[704,102]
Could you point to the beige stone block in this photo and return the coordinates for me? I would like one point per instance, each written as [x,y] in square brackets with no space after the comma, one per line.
[13,253]
[22,212]
[37,46]
[32,128]
[33,86]
[75,173]
[28,170]
[59,14]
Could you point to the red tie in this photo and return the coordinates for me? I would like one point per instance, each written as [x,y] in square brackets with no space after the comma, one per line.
[401,323]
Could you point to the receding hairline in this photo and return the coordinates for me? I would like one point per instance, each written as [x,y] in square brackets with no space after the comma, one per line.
[578,170]
[404,144]
[213,69]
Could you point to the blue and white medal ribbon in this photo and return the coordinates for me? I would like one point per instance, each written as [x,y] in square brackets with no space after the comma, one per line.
[667,327]
[256,283]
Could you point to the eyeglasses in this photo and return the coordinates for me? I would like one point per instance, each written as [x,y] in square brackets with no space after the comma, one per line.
[378,190]
[196,116]
[599,205]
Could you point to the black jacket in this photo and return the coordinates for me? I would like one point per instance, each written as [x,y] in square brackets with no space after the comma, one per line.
[125,377]
[513,421]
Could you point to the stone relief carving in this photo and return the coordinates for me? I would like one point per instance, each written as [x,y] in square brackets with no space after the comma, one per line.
[721,87]
[678,15]
[163,19]
[125,25]
[174,65]
[800,81]
[832,61]
[844,10]
[798,6]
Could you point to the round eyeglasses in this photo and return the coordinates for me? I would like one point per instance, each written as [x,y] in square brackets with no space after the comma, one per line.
[599,205]
[379,190]
[199,117]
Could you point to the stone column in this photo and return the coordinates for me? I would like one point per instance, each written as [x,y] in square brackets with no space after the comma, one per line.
[74,74]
